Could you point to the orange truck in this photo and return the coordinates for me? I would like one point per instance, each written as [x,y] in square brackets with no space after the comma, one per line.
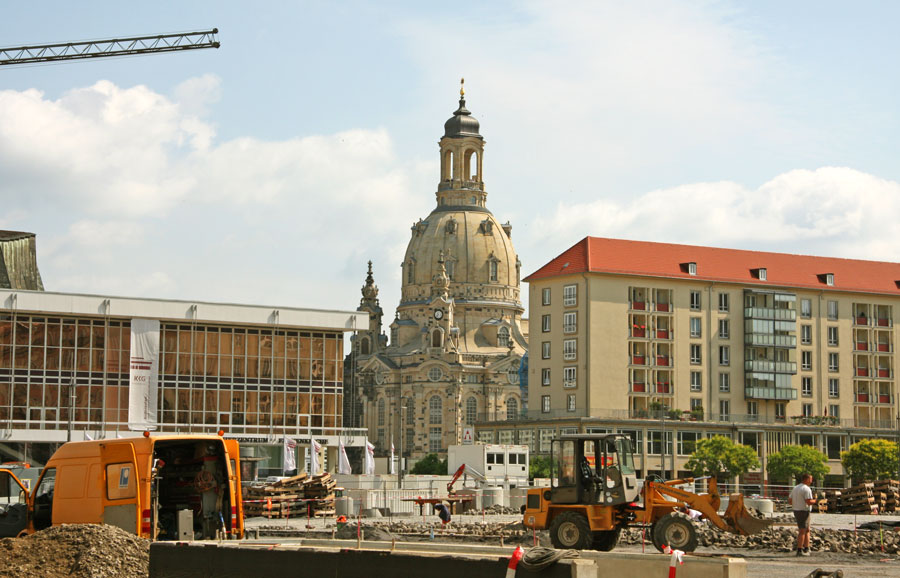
[138,484]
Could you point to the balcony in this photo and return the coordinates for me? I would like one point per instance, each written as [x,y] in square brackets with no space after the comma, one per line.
[770,313]
[638,360]
[770,340]
[885,373]
[862,372]
[861,320]
[663,388]
[884,400]
[663,307]
[663,334]
[862,398]
[883,322]
[638,305]
[766,366]
[884,347]
[638,331]
[777,393]
[638,387]
[663,361]
[860,346]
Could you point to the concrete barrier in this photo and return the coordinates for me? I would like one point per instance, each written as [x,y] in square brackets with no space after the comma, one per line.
[341,559]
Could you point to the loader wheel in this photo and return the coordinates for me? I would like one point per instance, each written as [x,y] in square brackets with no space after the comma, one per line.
[675,531]
[606,540]
[571,530]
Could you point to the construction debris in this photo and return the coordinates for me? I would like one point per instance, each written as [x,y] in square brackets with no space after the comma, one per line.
[293,497]
[76,550]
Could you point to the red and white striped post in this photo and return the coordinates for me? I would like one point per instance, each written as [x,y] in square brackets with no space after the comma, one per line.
[514,561]
[675,560]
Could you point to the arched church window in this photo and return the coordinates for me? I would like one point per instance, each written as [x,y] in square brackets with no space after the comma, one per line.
[437,338]
[435,374]
[493,270]
[410,411]
[364,346]
[410,272]
[471,410]
[381,411]
[512,374]
[471,165]
[447,166]
[435,411]
[450,266]
[503,337]
[512,408]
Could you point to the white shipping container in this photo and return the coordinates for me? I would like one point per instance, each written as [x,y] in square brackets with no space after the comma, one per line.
[503,465]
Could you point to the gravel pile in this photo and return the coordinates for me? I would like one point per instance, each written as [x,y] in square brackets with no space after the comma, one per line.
[76,550]
[495,510]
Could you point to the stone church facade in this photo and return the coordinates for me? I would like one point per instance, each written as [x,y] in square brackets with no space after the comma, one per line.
[458,337]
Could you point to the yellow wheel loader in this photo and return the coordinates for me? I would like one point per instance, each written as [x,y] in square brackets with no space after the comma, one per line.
[594,494]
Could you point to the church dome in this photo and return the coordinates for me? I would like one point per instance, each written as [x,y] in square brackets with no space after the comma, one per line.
[462,123]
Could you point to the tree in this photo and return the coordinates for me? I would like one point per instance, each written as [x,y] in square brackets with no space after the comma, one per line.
[539,467]
[871,459]
[792,461]
[720,454]
[430,464]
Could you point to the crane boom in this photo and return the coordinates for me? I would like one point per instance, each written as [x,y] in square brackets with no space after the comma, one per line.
[111,47]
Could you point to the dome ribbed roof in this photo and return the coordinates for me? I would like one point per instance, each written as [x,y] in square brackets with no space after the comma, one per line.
[462,123]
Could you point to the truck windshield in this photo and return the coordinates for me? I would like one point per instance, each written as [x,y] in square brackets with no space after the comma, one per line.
[626,460]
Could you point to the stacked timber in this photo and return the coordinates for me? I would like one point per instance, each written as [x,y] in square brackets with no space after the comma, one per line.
[821,503]
[293,497]
[835,504]
[889,494]
[859,499]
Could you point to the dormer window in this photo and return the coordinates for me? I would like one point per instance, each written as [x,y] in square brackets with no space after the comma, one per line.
[689,267]
[760,273]
[827,278]
[487,227]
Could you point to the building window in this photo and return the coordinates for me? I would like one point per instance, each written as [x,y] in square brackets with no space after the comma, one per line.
[724,355]
[512,408]
[569,376]
[471,410]
[806,334]
[545,323]
[724,409]
[696,404]
[545,296]
[779,410]
[570,322]
[381,412]
[696,359]
[695,301]
[687,442]
[724,382]
[833,364]
[655,442]
[806,360]
[410,411]
[545,436]
[545,404]
[570,402]
[435,412]
[834,386]
[545,376]
[832,336]
[512,374]
[435,374]
[503,337]
[832,310]
[485,436]
[695,327]
[696,381]
[410,440]
[834,411]
[434,440]
[692,268]
[410,273]
[752,409]
[723,302]
[724,329]
[806,386]
[545,350]
[451,268]
[493,268]
[805,308]
[570,295]
[807,410]
[569,346]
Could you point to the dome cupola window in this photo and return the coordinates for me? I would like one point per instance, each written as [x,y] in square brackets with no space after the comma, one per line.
[487,227]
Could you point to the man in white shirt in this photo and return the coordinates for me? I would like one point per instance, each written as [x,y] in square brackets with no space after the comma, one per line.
[801,500]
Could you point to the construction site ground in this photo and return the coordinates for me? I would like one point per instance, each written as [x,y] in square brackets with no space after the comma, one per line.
[762,563]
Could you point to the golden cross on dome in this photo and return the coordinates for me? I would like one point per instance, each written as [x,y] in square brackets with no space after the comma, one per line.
[462,88]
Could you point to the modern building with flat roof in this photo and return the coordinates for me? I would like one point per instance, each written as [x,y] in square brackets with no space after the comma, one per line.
[672,343]
[71,368]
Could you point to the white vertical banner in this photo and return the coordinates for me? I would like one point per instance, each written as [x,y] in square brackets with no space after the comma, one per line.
[314,449]
[142,400]
[289,461]
[370,458]
[343,461]
[392,470]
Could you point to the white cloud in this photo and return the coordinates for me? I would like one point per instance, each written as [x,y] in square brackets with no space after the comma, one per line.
[831,211]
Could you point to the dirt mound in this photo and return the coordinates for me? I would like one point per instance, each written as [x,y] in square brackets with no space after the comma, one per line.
[370,533]
[76,550]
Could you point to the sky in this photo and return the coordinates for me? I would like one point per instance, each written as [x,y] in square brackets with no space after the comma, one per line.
[271,170]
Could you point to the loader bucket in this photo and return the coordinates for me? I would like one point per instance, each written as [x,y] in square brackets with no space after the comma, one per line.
[742,521]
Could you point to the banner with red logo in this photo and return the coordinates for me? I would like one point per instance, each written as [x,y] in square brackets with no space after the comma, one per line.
[142,400]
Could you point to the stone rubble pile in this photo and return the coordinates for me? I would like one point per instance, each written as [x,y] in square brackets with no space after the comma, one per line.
[495,510]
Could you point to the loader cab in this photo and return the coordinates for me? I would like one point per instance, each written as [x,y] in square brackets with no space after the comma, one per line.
[592,469]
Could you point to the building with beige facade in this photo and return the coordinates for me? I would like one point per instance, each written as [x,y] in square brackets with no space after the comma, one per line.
[672,343]
[458,337]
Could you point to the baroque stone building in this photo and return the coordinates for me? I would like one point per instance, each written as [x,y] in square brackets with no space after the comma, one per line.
[458,337]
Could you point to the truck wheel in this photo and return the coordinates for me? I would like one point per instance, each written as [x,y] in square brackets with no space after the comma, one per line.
[606,540]
[675,531]
[571,530]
